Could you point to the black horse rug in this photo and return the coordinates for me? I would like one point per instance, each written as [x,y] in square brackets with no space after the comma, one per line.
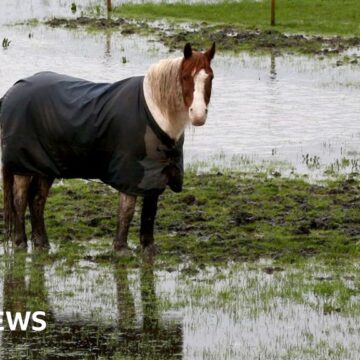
[65,127]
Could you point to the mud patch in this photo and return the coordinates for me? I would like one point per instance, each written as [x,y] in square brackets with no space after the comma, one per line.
[126,26]
[234,39]
[227,38]
[213,222]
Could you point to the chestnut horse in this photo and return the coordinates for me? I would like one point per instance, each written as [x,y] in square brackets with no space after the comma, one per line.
[177,93]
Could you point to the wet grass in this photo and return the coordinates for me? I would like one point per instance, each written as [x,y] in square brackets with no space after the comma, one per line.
[230,216]
[6,43]
[245,25]
[250,254]
[300,16]
[219,217]
[143,313]
[230,39]
[202,24]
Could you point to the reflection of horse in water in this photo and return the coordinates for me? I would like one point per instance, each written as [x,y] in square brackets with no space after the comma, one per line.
[64,338]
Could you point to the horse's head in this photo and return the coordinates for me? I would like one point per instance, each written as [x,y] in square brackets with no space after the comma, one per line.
[196,81]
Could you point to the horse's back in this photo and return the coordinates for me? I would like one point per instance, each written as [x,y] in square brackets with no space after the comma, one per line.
[60,125]
[64,127]
[51,102]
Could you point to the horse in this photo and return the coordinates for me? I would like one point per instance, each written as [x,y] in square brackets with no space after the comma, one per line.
[129,134]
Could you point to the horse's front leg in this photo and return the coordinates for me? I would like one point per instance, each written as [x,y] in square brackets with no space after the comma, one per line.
[125,215]
[20,194]
[148,215]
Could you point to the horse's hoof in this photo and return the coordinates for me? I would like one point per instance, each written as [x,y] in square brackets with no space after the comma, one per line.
[123,251]
[151,250]
[20,246]
[42,246]
[41,243]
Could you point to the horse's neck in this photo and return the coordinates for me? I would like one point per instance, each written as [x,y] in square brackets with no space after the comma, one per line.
[163,96]
[172,123]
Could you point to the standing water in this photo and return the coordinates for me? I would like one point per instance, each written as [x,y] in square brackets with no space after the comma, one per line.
[294,108]
[297,109]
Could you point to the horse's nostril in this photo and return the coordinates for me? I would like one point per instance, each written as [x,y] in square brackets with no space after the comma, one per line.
[191,109]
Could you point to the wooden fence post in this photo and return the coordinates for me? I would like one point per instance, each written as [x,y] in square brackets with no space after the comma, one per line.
[273,3]
[109,7]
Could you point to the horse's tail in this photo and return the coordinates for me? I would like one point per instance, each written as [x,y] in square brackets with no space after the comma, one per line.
[8,183]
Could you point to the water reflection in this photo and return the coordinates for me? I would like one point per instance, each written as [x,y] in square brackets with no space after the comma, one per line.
[136,333]
[23,290]
[273,66]
[108,45]
[154,338]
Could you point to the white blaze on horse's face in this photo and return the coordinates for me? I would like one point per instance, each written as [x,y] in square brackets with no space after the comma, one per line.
[196,82]
[198,109]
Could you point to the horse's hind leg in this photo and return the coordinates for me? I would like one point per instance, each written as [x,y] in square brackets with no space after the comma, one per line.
[38,193]
[20,198]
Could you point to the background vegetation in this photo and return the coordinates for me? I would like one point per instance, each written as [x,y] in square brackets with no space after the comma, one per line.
[310,16]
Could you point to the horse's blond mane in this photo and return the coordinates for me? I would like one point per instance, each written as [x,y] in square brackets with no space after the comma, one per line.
[164,81]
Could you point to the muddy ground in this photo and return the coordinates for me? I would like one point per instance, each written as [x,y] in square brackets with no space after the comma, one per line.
[220,217]
[227,38]
[299,240]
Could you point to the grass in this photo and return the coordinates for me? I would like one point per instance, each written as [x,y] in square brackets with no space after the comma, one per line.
[318,301]
[220,217]
[236,26]
[296,16]
[211,236]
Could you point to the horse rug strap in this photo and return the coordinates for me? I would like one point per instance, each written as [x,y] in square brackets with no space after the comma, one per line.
[65,127]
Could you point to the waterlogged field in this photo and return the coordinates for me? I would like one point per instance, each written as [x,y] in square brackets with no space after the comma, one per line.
[246,311]
[273,113]
[317,16]
[271,274]
[256,262]
[298,112]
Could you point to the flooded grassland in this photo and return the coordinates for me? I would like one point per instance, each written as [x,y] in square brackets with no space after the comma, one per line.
[228,38]
[250,267]
[256,261]
[299,112]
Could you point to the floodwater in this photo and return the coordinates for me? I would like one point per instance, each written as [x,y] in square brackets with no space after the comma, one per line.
[297,110]
[241,312]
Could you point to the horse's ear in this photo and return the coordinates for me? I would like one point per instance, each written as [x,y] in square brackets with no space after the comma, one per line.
[211,52]
[187,51]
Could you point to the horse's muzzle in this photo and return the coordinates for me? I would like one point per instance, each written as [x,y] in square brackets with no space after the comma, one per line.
[198,122]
